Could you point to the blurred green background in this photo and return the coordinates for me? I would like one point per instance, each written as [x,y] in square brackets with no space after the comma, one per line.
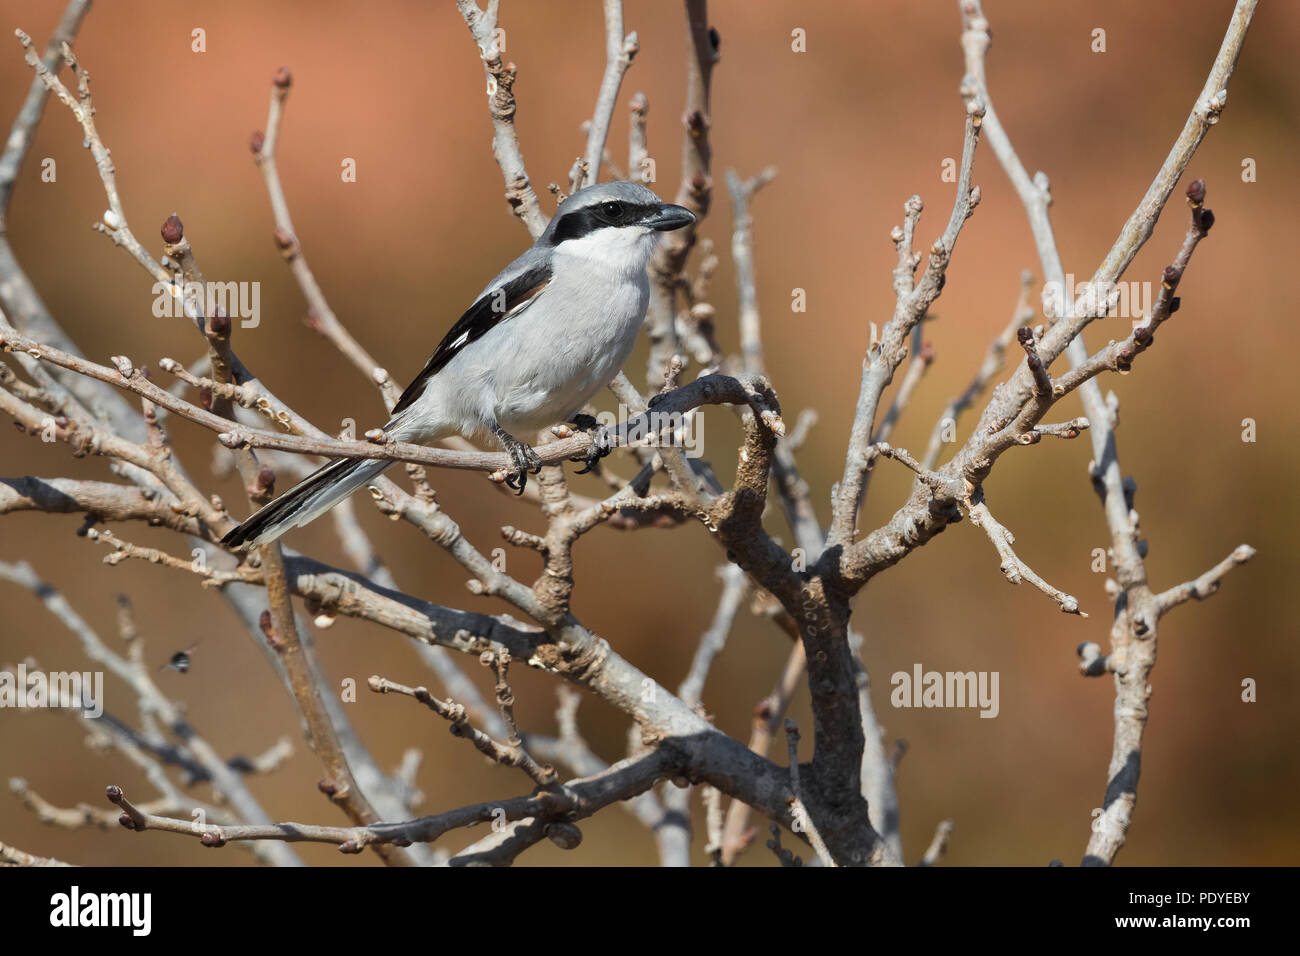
[859,122]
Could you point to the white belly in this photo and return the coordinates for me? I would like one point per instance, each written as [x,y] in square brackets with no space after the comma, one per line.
[543,365]
[559,367]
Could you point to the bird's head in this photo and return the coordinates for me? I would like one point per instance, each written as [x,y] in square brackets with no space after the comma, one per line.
[617,222]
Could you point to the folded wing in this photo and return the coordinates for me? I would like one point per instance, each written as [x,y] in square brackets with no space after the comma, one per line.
[508,295]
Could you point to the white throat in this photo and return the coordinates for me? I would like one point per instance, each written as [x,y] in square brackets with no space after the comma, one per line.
[625,249]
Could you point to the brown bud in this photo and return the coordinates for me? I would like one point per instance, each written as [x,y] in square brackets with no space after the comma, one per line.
[564,835]
[283,239]
[327,786]
[256,141]
[1196,191]
[283,78]
[1171,275]
[205,397]
[114,794]
[219,325]
[172,229]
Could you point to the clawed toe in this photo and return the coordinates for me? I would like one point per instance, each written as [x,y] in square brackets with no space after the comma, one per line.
[523,458]
[601,443]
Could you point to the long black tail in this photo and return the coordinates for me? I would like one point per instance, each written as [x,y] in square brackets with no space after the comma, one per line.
[307,500]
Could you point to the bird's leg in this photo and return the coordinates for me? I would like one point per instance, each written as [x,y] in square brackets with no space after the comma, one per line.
[601,443]
[523,456]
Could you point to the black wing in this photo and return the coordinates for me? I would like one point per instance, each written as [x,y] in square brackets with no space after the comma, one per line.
[497,303]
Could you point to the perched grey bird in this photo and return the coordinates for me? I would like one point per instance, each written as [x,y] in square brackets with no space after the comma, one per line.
[549,332]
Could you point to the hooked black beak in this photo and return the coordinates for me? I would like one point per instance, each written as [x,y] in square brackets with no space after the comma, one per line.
[670,217]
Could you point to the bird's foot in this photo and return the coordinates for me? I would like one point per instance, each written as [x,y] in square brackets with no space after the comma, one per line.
[601,443]
[523,457]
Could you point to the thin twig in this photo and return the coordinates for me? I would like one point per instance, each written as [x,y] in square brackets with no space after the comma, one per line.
[619,52]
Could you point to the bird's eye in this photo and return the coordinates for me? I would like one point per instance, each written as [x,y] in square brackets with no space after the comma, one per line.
[612,210]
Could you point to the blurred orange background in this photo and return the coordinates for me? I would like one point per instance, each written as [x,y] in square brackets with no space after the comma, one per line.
[856,124]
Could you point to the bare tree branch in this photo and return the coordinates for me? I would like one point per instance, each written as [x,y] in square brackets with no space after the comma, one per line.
[482,23]
[619,52]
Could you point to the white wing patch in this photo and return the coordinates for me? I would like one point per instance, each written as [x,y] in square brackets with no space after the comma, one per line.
[526,303]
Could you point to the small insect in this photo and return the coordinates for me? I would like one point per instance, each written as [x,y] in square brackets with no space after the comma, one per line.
[180,661]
